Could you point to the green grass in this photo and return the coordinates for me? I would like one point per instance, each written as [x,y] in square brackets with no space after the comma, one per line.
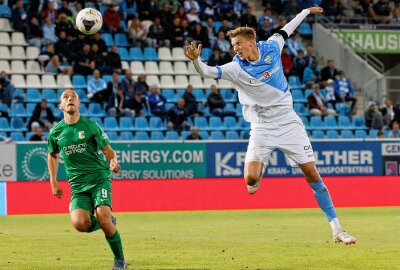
[254,239]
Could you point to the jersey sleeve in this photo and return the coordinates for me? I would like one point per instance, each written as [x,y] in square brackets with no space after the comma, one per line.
[100,136]
[278,41]
[229,71]
[52,145]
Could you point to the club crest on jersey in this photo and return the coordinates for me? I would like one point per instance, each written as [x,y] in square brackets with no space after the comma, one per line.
[81,135]
[268,60]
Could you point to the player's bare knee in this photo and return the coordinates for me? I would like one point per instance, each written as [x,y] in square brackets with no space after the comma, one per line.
[81,224]
[104,221]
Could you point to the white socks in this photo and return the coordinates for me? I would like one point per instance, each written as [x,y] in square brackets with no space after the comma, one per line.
[334,224]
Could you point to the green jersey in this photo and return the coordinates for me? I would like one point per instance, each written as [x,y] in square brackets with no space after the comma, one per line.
[79,144]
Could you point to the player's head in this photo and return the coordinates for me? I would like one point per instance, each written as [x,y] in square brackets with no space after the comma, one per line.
[243,40]
[69,101]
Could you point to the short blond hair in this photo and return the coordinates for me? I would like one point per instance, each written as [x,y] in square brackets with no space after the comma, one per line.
[245,31]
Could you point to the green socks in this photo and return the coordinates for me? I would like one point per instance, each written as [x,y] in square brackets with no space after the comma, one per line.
[116,245]
[94,224]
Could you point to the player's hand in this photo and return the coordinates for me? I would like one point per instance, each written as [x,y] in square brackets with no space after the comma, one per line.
[316,10]
[56,190]
[191,52]
[114,166]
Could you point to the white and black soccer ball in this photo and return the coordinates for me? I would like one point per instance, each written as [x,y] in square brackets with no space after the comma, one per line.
[89,21]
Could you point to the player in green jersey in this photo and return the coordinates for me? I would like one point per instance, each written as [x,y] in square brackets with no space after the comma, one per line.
[78,139]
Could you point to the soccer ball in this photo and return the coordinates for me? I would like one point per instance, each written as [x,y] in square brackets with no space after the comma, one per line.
[89,21]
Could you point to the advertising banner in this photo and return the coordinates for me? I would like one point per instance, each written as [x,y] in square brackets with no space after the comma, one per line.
[373,41]
[391,158]
[332,158]
[3,199]
[8,170]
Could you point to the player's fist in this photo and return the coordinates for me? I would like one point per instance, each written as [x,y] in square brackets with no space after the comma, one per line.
[114,166]
[191,52]
[56,190]
[315,10]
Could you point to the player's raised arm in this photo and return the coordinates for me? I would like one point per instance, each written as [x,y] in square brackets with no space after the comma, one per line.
[52,163]
[112,158]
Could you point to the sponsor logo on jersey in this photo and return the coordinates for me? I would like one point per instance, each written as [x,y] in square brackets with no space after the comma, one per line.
[266,75]
[81,135]
[268,60]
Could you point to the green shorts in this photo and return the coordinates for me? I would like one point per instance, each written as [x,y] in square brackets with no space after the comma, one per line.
[89,200]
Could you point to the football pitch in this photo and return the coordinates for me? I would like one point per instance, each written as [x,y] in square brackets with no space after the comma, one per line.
[248,239]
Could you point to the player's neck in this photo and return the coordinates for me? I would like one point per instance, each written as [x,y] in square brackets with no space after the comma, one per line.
[71,118]
[254,54]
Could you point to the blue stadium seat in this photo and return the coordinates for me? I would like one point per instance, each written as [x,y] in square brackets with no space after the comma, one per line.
[5,11]
[294,82]
[243,125]
[232,135]
[169,94]
[206,53]
[28,135]
[4,125]
[227,95]
[230,123]
[217,135]
[17,124]
[318,134]
[344,123]
[229,107]
[33,95]
[172,135]
[217,26]
[150,54]
[330,122]
[347,134]
[373,133]
[216,123]
[102,9]
[156,123]
[386,133]
[108,39]
[112,135]
[126,136]
[141,123]
[204,135]
[18,110]
[306,123]
[17,137]
[142,136]
[4,108]
[305,29]
[201,123]
[82,95]
[83,110]
[244,135]
[95,110]
[19,93]
[168,106]
[98,121]
[156,136]
[185,134]
[239,111]
[110,124]
[199,95]
[123,53]
[107,78]
[50,95]
[358,122]
[361,134]
[298,96]
[79,81]
[53,109]
[300,109]
[316,123]
[120,40]
[332,134]
[180,92]
[30,107]
[342,109]
[126,124]
[123,25]
[136,54]
[308,92]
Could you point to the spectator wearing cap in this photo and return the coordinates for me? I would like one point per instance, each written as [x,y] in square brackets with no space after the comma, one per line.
[373,118]
[317,103]
[43,115]
[157,101]
[344,90]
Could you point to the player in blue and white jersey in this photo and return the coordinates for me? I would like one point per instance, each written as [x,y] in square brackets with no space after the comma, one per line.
[257,74]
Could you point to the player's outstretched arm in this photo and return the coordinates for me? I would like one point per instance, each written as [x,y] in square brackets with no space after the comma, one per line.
[112,158]
[52,163]
[295,22]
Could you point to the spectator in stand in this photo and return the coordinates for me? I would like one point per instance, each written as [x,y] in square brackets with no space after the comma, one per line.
[135,104]
[330,93]
[7,88]
[281,23]
[396,110]
[299,64]
[174,5]
[312,73]
[249,19]
[387,112]
[329,72]
[209,28]
[344,90]
[128,9]
[55,67]
[194,136]
[216,59]
[358,11]
[34,33]
[38,136]
[77,45]
[294,44]
[225,27]
[137,33]
[96,39]
[118,105]
[62,47]
[199,35]
[43,115]
[186,32]
[50,12]
[395,132]
[111,20]
[19,17]
[267,15]
[157,35]
[141,85]
[114,84]
[177,39]
[291,7]
[113,61]
[64,9]
[166,17]
[177,116]
[98,59]
[128,84]
[287,63]
[317,103]
[84,63]
[97,88]
[373,118]
[380,11]
[237,8]
[157,101]
[147,10]
[310,57]
[216,103]
[395,20]
[191,104]
[44,57]
[264,31]
[188,4]
[76,8]
[193,17]
[63,25]
[222,44]
[49,31]
[181,14]
[381,135]
[334,10]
